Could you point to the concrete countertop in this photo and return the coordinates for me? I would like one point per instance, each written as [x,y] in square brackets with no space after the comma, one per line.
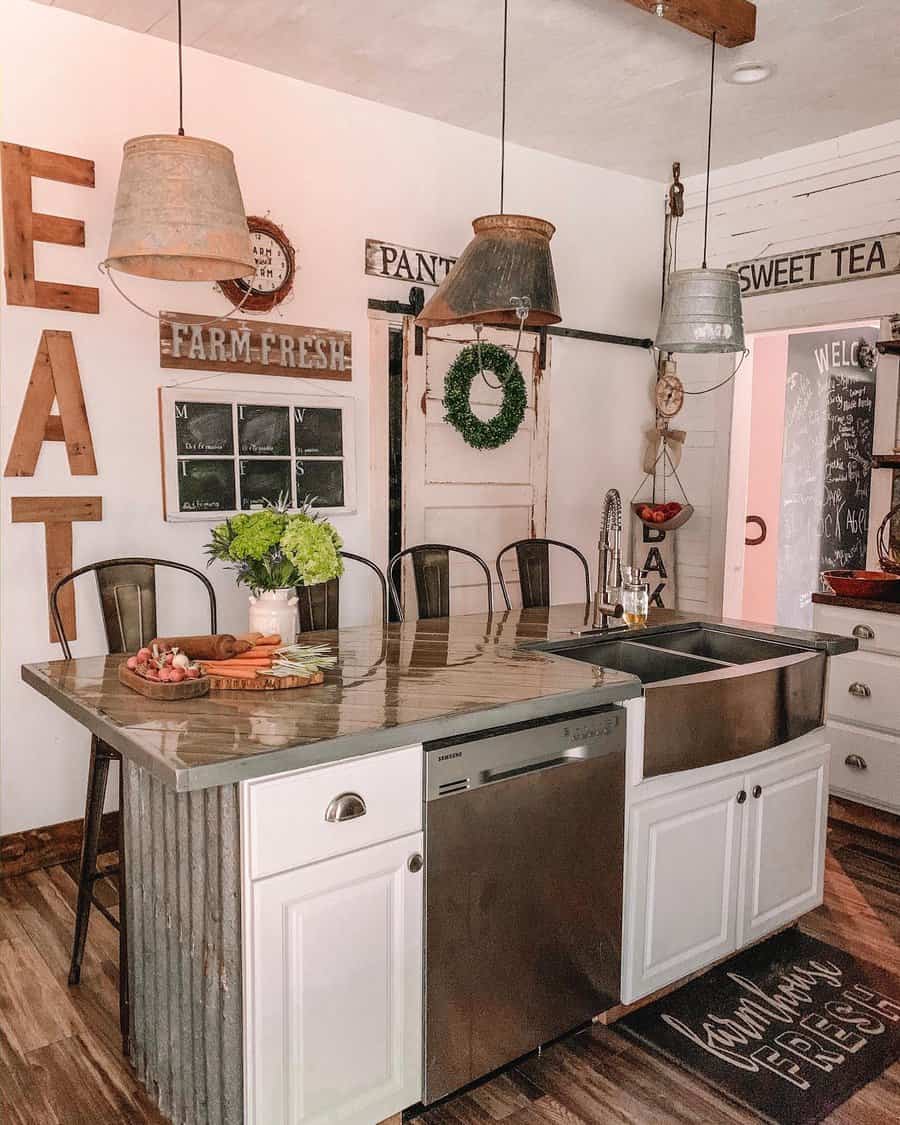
[392,686]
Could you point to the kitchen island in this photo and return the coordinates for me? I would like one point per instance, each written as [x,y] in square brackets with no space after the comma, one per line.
[276,968]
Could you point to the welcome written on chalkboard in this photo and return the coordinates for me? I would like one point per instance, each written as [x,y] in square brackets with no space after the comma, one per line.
[227,452]
[829,423]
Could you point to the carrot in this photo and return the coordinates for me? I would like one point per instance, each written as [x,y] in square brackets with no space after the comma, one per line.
[242,665]
[236,674]
[272,639]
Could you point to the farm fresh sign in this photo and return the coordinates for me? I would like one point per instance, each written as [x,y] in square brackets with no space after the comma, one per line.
[403,263]
[824,265]
[196,343]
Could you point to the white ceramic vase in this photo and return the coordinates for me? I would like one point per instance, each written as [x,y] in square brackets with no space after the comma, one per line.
[275,611]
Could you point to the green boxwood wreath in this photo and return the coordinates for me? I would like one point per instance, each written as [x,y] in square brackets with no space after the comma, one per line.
[458,386]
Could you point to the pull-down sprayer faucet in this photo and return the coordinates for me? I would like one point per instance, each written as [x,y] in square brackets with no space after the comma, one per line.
[609,566]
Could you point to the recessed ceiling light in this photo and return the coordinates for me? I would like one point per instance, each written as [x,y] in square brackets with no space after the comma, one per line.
[748,74]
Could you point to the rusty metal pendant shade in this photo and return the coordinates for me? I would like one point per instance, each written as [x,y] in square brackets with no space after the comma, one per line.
[179,214]
[508,257]
[702,313]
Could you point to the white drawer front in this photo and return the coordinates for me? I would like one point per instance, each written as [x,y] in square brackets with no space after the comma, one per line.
[286,825]
[864,687]
[884,627]
[879,781]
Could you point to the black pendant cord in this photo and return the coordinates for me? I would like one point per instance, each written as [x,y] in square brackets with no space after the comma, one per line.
[503,102]
[712,85]
[180,79]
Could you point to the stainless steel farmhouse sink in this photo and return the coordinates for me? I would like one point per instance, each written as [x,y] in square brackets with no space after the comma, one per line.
[712,693]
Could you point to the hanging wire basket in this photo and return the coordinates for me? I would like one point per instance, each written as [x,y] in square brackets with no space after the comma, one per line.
[662,514]
[888,552]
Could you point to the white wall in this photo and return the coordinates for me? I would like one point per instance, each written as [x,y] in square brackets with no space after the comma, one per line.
[811,196]
[332,170]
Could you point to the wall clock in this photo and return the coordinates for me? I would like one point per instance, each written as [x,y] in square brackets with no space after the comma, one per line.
[275,267]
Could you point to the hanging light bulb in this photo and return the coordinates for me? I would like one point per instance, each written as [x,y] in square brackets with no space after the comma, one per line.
[702,311]
[179,214]
[507,262]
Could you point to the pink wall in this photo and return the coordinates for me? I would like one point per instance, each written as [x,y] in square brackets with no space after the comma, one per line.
[764,481]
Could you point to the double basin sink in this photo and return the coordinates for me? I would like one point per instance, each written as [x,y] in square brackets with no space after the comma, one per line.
[713,693]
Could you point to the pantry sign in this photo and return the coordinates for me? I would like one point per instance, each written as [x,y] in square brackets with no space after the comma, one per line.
[824,265]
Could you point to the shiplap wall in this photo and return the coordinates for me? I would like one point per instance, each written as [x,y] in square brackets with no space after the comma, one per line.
[845,188]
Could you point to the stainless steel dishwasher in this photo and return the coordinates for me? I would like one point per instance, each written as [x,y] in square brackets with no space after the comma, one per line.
[524,838]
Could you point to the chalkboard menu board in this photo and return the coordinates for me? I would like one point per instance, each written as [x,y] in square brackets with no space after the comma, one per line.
[829,417]
[225,452]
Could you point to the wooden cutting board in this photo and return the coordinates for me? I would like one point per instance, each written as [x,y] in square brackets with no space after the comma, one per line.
[187,689]
[263,683]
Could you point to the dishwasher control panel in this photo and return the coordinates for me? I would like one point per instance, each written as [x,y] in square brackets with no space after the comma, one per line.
[490,757]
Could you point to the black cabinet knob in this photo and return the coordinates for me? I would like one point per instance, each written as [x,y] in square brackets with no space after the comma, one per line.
[742,796]
[757,791]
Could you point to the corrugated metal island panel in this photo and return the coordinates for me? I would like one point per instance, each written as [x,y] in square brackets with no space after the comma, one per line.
[184,947]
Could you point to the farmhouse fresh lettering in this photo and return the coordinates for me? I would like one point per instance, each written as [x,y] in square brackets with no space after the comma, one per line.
[192,342]
[403,263]
[824,265]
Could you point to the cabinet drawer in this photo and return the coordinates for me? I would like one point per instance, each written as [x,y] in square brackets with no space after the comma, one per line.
[864,687]
[879,782]
[884,627]
[285,815]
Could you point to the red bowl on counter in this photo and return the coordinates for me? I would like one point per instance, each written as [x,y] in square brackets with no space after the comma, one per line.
[875,584]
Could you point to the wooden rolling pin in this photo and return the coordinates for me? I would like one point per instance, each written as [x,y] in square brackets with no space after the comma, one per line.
[219,646]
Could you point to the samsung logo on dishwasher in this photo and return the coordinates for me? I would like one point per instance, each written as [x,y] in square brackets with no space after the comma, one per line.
[449,755]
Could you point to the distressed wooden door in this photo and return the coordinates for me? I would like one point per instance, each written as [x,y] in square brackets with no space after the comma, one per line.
[474,498]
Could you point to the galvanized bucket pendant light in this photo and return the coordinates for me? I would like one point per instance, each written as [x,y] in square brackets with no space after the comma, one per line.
[506,270]
[702,310]
[179,214]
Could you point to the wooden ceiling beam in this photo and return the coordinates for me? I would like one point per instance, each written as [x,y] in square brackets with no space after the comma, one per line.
[733,22]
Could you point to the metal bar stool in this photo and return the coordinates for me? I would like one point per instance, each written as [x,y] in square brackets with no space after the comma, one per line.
[431,570]
[319,606]
[533,558]
[127,593]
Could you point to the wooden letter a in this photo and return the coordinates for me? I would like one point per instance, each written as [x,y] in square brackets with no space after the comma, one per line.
[53,376]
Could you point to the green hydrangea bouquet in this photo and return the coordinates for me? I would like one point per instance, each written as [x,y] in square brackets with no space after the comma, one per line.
[274,549]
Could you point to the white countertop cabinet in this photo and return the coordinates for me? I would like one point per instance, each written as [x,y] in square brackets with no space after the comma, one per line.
[863,706]
[717,858]
[333,964]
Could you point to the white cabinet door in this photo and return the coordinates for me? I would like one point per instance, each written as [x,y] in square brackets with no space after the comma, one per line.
[334,1021]
[684,856]
[784,864]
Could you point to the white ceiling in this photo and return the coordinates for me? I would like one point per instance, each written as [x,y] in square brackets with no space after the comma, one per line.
[596,80]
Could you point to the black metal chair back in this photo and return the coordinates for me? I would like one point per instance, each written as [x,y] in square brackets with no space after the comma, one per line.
[127,592]
[319,606]
[533,558]
[431,570]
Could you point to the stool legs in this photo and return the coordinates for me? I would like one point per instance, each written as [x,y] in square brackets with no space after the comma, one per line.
[98,773]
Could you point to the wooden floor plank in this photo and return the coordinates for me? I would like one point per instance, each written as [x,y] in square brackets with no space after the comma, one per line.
[35,1010]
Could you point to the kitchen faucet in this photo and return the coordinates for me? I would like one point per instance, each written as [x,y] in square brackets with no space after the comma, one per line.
[609,564]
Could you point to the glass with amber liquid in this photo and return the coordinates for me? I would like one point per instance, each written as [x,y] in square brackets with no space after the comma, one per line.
[635,595]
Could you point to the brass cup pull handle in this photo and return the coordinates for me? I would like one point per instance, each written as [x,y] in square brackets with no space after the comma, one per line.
[864,633]
[861,691]
[346,806]
[856,762]
[742,796]
[757,791]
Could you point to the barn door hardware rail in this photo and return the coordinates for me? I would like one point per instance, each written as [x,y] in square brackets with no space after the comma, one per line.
[414,306]
[733,22]
[584,334]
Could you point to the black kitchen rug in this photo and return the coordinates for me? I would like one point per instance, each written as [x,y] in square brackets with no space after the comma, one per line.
[789,1029]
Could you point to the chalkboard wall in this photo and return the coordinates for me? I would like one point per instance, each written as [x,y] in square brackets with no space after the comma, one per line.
[826,465]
